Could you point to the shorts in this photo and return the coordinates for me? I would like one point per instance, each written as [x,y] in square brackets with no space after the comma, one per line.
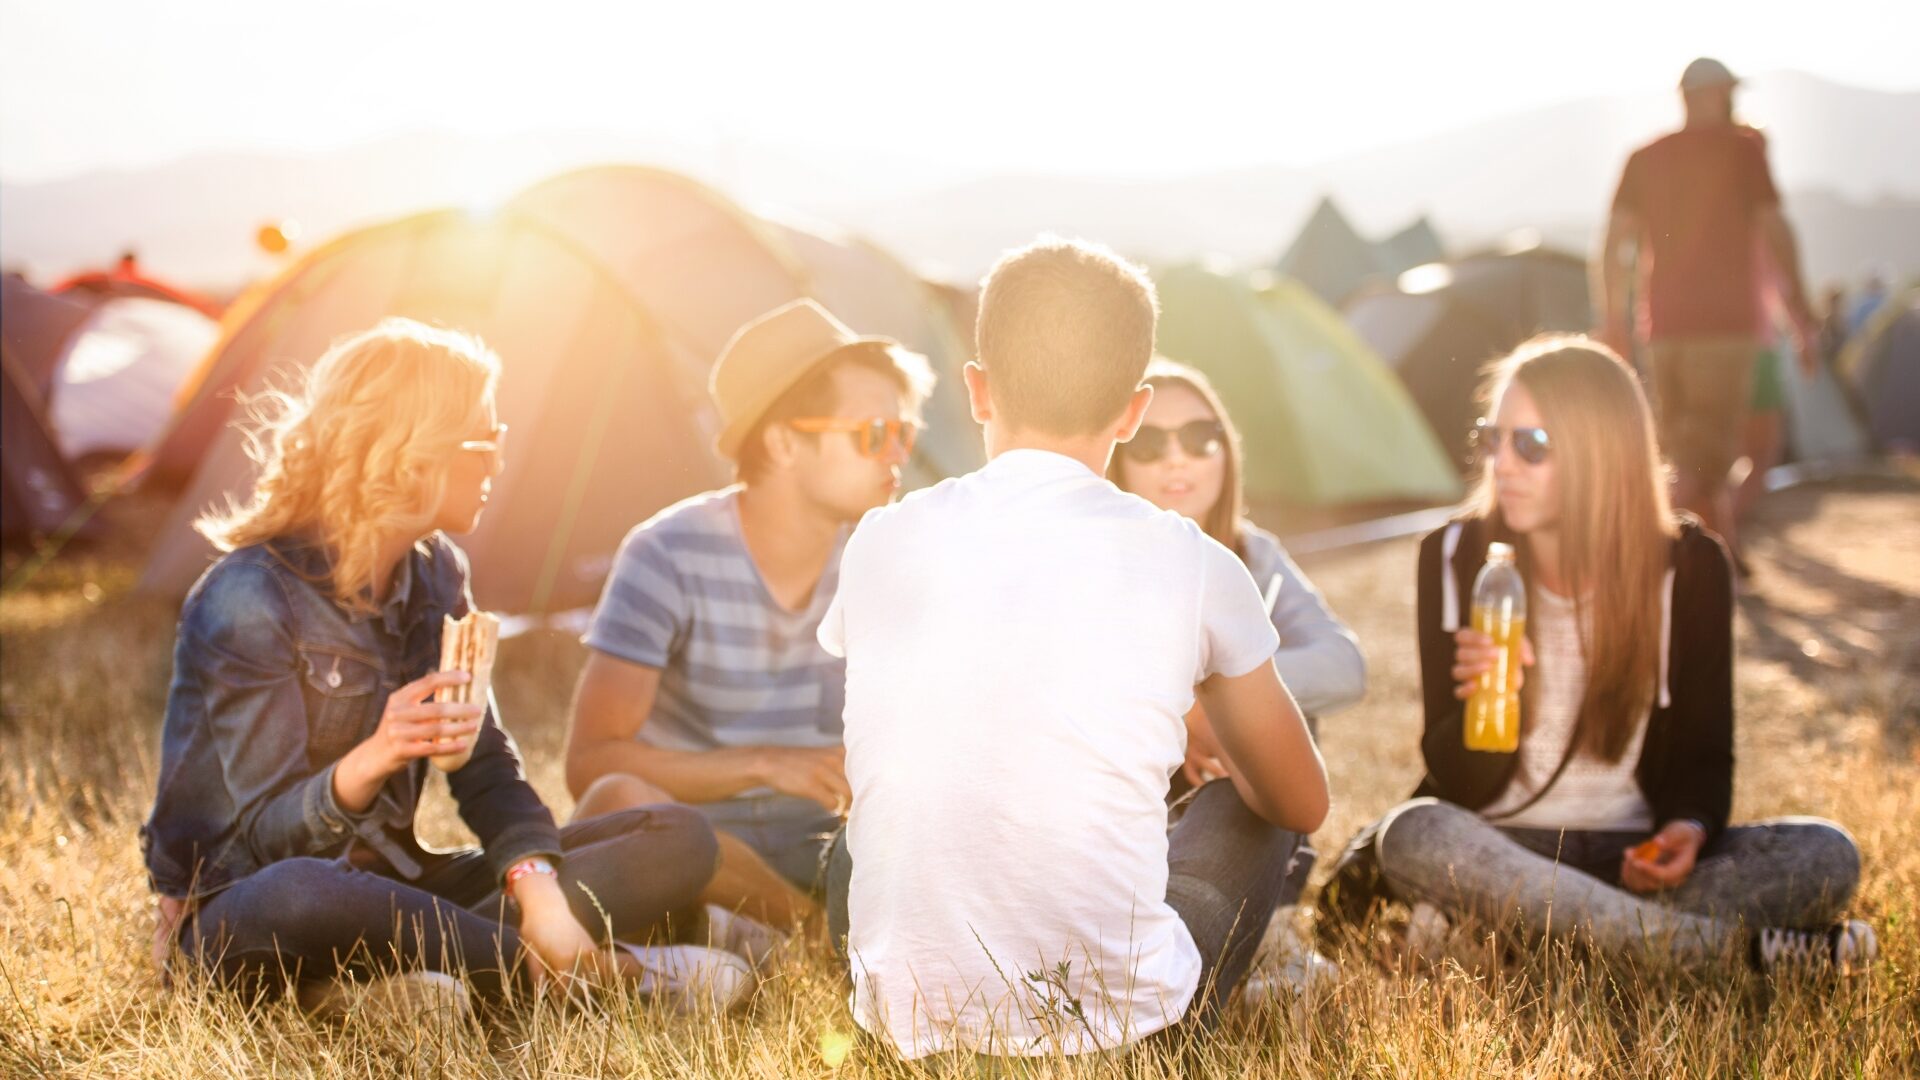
[1769,394]
[791,834]
[1701,390]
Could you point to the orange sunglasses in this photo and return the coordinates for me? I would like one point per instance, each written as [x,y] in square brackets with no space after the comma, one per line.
[876,436]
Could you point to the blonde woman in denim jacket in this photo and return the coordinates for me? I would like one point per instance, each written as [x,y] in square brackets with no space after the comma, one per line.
[300,717]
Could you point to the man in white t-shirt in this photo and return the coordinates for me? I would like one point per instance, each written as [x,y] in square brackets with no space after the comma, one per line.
[1022,643]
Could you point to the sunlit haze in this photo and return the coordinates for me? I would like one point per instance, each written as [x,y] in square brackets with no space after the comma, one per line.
[951,90]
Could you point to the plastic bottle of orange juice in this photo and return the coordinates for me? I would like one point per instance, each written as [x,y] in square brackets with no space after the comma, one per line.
[1500,612]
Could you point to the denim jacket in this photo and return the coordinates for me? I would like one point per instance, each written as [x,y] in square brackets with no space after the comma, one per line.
[273,682]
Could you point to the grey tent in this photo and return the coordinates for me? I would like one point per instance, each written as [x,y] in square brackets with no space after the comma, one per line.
[1415,245]
[1821,426]
[1445,321]
[35,325]
[1332,258]
[39,496]
[1886,368]
[1329,256]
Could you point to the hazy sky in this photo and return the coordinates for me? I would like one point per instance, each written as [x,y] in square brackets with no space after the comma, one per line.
[964,87]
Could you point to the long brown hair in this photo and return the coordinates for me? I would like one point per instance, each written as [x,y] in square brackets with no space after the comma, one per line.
[1224,517]
[1616,525]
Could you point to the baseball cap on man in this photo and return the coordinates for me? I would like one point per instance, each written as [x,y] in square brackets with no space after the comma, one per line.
[769,356]
[1706,72]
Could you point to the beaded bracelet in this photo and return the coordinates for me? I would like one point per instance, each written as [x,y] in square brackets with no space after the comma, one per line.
[528,868]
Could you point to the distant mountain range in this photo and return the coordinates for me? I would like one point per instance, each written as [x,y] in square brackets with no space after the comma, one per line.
[1849,159]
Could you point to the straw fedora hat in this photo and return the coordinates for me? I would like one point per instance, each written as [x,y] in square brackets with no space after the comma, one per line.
[769,356]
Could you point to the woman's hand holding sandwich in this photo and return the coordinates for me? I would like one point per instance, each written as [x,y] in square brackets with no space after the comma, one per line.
[409,728]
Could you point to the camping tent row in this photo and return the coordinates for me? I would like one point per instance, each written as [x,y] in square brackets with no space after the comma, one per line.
[1442,323]
[607,293]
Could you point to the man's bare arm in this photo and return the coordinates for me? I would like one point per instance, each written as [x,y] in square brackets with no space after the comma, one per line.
[1269,754]
[1783,251]
[613,700]
[1613,272]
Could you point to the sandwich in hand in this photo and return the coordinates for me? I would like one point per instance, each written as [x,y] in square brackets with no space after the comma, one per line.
[466,645]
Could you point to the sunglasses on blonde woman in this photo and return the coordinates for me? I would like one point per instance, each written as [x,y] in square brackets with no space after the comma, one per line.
[1530,444]
[495,443]
[873,437]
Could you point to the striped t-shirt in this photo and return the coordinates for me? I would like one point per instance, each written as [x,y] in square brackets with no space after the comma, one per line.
[736,669]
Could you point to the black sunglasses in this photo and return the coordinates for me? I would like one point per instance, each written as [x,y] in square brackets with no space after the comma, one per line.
[1530,443]
[1198,438]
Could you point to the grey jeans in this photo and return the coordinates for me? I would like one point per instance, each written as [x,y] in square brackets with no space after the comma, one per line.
[1786,872]
[1227,869]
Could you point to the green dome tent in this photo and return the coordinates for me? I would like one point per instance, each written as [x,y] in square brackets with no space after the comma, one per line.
[1322,419]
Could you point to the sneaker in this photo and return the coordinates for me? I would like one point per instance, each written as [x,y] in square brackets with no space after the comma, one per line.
[404,997]
[1427,929]
[1844,948]
[691,979]
[1293,981]
[1288,963]
[751,940]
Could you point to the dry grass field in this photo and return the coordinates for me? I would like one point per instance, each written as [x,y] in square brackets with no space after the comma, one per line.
[1829,723]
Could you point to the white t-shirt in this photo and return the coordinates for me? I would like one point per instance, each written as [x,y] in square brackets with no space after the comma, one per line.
[1022,644]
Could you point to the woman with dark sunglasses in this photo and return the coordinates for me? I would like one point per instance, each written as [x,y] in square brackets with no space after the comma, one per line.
[1609,823]
[1186,457]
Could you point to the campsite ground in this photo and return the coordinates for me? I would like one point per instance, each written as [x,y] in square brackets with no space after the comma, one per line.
[1829,706]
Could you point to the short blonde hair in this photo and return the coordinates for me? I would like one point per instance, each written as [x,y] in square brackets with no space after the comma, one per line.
[1065,332]
[358,453]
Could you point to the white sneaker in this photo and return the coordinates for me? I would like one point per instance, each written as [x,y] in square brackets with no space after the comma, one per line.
[1288,963]
[750,939]
[404,997]
[1845,948]
[691,979]
[1427,929]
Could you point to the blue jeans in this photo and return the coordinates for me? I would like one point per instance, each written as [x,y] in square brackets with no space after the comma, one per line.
[624,874]
[1227,869]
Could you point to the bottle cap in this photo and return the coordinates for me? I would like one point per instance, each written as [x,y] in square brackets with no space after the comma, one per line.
[1500,552]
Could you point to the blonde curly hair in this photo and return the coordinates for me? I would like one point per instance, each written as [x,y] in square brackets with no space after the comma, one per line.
[357,452]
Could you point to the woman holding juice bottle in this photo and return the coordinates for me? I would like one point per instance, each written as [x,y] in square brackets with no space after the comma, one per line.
[1606,805]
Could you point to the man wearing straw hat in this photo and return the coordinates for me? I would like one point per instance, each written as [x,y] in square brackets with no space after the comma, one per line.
[705,683]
